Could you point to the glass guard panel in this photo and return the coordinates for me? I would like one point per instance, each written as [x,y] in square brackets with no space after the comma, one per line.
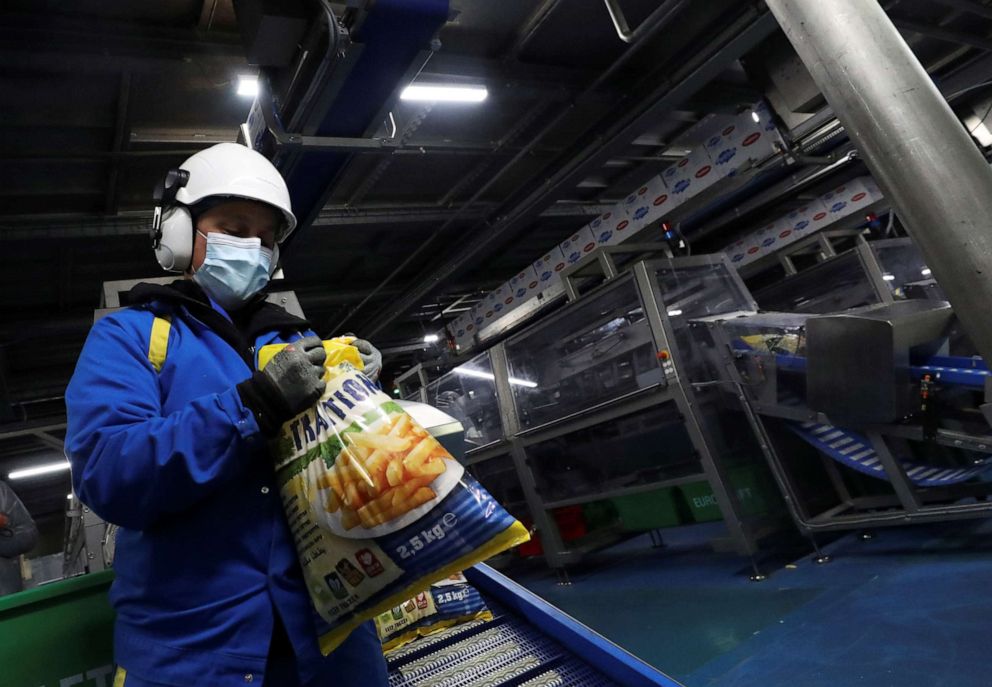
[700,290]
[901,263]
[692,292]
[468,393]
[499,476]
[599,349]
[769,351]
[832,286]
[641,448]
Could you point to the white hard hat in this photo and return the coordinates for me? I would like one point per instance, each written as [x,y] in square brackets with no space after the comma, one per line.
[225,170]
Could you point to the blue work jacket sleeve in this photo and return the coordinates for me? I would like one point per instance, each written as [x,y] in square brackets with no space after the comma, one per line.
[20,534]
[131,464]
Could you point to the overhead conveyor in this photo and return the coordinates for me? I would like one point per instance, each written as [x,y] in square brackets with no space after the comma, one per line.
[313,114]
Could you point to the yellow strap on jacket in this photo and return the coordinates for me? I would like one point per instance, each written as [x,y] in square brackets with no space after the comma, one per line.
[158,343]
[338,349]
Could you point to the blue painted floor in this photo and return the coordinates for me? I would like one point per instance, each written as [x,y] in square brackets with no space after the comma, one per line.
[910,607]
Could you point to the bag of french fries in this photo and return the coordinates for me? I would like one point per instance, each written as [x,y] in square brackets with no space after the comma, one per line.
[378,508]
[449,602]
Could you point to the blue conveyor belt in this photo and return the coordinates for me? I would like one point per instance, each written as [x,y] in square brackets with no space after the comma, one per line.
[528,644]
[855,451]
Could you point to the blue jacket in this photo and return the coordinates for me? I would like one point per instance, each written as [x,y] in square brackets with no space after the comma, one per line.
[204,559]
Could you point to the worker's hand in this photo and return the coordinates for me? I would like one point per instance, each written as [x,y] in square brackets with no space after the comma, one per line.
[371,357]
[289,384]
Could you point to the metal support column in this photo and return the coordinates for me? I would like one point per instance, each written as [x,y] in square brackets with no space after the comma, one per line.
[918,151]
[550,537]
[726,497]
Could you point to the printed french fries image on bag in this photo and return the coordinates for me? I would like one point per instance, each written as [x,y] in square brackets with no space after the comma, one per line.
[381,475]
[378,509]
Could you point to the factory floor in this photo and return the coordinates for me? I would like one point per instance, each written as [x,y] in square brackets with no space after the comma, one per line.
[910,607]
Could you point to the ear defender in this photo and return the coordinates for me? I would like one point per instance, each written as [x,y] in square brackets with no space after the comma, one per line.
[172,224]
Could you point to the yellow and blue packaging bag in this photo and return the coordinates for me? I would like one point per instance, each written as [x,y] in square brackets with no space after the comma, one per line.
[378,509]
[451,601]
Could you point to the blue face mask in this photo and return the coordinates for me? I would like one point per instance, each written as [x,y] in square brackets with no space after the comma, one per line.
[234,269]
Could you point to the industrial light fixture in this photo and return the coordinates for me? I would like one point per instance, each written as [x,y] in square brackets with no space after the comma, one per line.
[479,374]
[754,116]
[889,277]
[39,470]
[431,338]
[674,313]
[443,93]
[248,85]
[925,271]
[69,496]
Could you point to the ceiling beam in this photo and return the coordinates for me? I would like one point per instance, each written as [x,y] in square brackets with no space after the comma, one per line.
[120,128]
[969,6]
[943,34]
[109,37]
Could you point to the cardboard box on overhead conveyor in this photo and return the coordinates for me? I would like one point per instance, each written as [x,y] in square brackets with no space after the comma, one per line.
[578,244]
[647,204]
[744,141]
[851,197]
[762,242]
[609,228]
[689,176]
[548,268]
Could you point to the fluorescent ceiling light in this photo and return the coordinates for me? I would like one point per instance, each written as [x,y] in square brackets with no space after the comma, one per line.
[39,470]
[442,93]
[889,277]
[925,271]
[674,313]
[479,374]
[248,85]
[754,116]
[431,338]
[523,382]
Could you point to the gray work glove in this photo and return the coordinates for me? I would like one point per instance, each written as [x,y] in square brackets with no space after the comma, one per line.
[289,384]
[370,356]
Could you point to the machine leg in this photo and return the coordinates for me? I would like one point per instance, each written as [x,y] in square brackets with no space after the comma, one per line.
[656,541]
[563,578]
[819,557]
[756,574]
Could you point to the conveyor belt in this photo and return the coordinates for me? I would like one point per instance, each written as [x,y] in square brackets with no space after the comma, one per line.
[523,646]
[855,451]
[505,651]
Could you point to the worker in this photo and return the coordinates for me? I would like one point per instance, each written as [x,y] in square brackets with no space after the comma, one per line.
[18,535]
[168,427]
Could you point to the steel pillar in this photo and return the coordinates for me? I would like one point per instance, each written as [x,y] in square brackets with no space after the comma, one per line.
[918,151]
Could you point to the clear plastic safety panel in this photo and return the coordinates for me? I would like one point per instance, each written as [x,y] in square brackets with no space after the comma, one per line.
[468,393]
[596,350]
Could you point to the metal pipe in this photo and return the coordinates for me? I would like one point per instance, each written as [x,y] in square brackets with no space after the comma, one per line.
[918,151]
[660,14]
[532,26]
